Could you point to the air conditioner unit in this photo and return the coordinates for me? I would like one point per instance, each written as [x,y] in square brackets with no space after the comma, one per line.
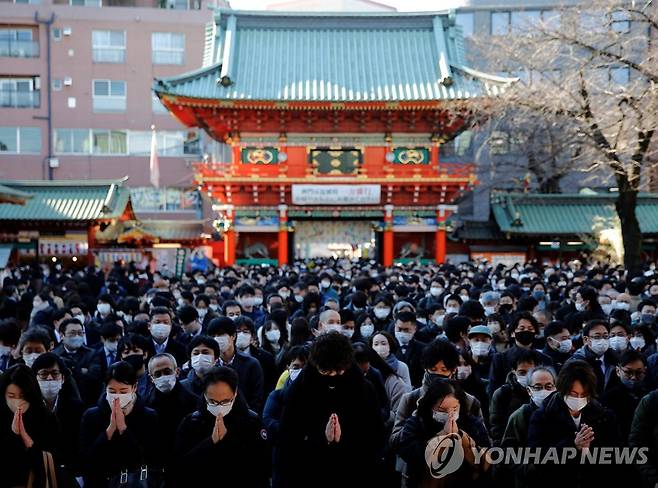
[53,163]
[68,81]
[66,31]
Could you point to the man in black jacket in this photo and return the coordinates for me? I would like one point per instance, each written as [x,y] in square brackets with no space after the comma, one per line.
[245,344]
[411,349]
[330,419]
[171,402]
[249,371]
[77,358]
[160,327]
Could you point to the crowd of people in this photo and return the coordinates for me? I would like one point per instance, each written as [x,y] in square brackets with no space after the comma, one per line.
[324,373]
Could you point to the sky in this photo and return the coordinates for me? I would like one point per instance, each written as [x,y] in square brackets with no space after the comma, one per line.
[401,5]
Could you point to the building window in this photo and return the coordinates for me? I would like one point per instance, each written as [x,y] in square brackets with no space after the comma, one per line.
[169,143]
[109,96]
[109,46]
[112,142]
[148,199]
[57,34]
[500,23]
[30,2]
[524,21]
[20,93]
[57,84]
[86,3]
[466,20]
[156,105]
[20,140]
[72,141]
[168,48]
[18,43]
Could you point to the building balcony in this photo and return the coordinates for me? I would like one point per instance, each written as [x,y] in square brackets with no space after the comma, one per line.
[20,99]
[19,49]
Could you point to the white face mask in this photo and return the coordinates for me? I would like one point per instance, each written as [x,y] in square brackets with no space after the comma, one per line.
[618,344]
[607,308]
[103,308]
[347,332]
[160,331]
[436,291]
[273,335]
[247,302]
[621,306]
[284,294]
[580,306]
[637,343]
[564,346]
[166,383]
[489,311]
[124,398]
[479,348]
[522,379]
[599,346]
[258,301]
[15,403]
[382,313]
[73,343]
[202,363]
[538,397]
[452,310]
[575,404]
[299,298]
[111,346]
[463,372]
[442,417]
[223,341]
[367,330]
[202,312]
[383,350]
[50,388]
[403,338]
[243,340]
[332,328]
[220,409]
[30,358]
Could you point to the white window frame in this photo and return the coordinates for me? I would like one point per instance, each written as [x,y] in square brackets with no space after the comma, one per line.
[167,50]
[98,49]
[89,141]
[18,141]
[120,99]
[109,133]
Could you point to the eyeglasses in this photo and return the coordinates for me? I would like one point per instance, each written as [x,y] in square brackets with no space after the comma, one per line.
[547,387]
[54,374]
[223,403]
[638,373]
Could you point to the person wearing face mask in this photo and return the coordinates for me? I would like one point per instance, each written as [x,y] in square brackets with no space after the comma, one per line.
[104,308]
[480,341]
[188,318]
[78,358]
[136,349]
[296,360]
[572,417]
[91,328]
[441,411]
[597,353]
[160,327]
[33,343]
[27,427]
[440,361]
[118,433]
[411,349]
[381,311]
[471,382]
[41,309]
[105,355]
[364,328]
[63,400]
[587,308]
[522,329]
[246,344]
[512,395]
[171,401]
[249,370]
[331,414]
[202,305]
[246,297]
[624,398]
[558,343]
[541,384]
[647,311]
[204,352]
[222,434]
[386,347]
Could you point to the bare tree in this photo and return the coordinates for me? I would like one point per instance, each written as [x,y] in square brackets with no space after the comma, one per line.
[589,71]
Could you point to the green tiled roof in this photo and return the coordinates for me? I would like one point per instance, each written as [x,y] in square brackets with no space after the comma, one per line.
[337,57]
[67,200]
[12,195]
[566,214]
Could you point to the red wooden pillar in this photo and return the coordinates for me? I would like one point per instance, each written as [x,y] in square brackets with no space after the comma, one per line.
[283,235]
[91,244]
[441,217]
[388,236]
[230,240]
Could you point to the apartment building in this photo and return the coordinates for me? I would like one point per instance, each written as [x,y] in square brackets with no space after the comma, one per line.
[75,94]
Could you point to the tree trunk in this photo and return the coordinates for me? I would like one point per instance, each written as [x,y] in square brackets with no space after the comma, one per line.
[550,184]
[630,229]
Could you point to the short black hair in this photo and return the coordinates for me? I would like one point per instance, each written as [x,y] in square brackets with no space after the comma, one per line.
[331,352]
[576,370]
[472,309]
[245,290]
[297,352]
[525,356]
[630,356]
[220,326]
[187,314]
[110,329]
[36,334]
[65,323]
[122,372]
[246,321]
[132,341]
[440,350]
[160,311]
[203,340]
[407,317]
[595,323]
[554,328]
[48,360]
[222,374]
[10,332]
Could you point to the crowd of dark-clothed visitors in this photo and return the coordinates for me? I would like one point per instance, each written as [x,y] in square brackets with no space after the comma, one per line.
[324,373]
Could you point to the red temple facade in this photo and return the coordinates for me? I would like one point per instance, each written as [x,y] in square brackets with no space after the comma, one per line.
[335,124]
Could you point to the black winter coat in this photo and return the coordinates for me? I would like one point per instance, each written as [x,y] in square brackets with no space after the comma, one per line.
[241,458]
[137,446]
